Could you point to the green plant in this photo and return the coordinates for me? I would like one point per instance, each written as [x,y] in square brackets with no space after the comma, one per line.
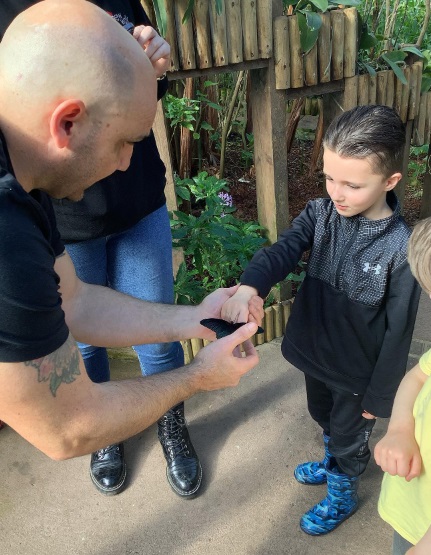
[417,167]
[247,153]
[217,246]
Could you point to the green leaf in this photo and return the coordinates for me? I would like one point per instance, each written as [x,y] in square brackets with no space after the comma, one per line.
[370,69]
[394,56]
[396,69]
[183,192]
[196,135]
[188,12]
[346,3]
[314,21]
[161,17]
[321,5]
[205,125]
[219,6]
[307,36]
[426,84]
[413,50]
[368,40]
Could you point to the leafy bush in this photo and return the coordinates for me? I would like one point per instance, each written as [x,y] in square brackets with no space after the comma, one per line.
[217,245]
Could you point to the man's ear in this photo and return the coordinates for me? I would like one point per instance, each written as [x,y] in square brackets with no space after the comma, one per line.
[63,118]
[392,181]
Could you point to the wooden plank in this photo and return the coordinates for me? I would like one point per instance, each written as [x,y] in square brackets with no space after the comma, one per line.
[382,83]
[350,41]
[249,29]
[415,90]
[246,66]
[186,43]
[264,28]
[286,307]
[324,48]
[234,31]
[398,95]
[310,67]
[188,352]
[269,324]
[281,52]
[405,95]
[427,131]
[296,60]
[219,35]
[316,90]
[202,28]
[278,320]
[171,34]
[372,89]
[390,88]
[337,25]
[363,89]
[419,123]
[400,189]
[350,95]
[197,345]
[426,192]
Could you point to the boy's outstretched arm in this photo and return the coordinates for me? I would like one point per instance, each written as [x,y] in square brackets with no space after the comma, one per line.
[398,453]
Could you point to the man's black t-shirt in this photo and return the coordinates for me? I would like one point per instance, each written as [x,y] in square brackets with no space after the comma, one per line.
[124,198]
[32,322]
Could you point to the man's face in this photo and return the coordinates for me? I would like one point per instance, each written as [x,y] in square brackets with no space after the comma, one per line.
[353,186]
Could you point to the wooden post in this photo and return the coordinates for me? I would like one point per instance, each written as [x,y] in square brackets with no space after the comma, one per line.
[171,34]
[324,48]
[296,60]
[185,36]
[382,82]
[426,193]
[390,89]
[281,53]
[310,67]
[400,189]
[188,352]
[405,94]
[415,90]
[249,29]
[264,28]
[278,320]
[427,131]
[363,92]
[218,35]
[286,309]
[203,34]
[269,324]
[197,345]
[337,25]
[350,41]
[372,89]
[234,31]
[419,125]
[350,95]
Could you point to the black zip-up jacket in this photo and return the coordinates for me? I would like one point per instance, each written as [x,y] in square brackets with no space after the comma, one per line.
[353,317]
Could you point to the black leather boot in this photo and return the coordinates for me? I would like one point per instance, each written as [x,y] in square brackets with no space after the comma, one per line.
[184,471]
[108,469]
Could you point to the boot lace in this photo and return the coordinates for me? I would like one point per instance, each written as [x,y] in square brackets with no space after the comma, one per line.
[171,427]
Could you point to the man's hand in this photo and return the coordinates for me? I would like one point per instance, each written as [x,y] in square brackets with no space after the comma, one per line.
[398,454]
[156,48]
[241,307]
[211,307]
[221,364]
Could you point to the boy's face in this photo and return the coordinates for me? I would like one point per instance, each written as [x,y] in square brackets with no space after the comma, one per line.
[354,188]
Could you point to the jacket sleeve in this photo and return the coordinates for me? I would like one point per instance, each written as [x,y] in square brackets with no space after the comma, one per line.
[401,308]
[272,264]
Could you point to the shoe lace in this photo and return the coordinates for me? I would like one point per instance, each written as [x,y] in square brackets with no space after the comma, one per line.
[171,425]
[114,449]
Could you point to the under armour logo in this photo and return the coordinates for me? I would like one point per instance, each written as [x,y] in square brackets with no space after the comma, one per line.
[374,267]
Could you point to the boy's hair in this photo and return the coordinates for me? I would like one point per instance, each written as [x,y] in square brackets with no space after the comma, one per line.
[369,131]
[419,253]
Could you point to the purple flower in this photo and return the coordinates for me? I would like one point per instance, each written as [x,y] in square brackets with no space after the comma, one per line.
[226,199]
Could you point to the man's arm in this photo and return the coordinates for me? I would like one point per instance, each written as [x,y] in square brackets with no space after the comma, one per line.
[103,317]
[53,404]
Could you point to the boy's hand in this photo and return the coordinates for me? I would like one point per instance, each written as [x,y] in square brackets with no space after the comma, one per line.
[368,415]
[241,308]
[155,46]
[398,454]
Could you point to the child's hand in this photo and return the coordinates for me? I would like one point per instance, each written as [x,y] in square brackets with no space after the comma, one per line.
[368,415]
[241,308]
[398,454]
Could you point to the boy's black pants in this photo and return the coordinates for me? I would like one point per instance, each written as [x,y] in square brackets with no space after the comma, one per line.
[339,413]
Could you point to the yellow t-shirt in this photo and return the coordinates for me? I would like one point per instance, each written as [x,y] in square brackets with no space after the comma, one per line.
[406,506]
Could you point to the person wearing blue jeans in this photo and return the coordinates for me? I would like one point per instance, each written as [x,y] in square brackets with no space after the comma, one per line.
[119,235]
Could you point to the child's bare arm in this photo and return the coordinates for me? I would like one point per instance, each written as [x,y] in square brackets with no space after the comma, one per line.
[423,547]
[237,309]
[398,453]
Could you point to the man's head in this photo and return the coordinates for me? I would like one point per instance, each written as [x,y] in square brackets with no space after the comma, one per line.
[363,150]
[419,254]
[76,91]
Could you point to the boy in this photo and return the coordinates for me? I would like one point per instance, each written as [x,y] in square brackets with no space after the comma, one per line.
[353,318]
[405,451]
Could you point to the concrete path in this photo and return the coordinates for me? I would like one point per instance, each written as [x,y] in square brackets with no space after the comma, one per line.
[249,439]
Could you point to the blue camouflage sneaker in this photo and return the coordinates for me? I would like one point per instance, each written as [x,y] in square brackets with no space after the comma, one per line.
[339,504]
[314,473]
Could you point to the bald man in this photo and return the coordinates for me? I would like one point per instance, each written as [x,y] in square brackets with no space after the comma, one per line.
[67,120]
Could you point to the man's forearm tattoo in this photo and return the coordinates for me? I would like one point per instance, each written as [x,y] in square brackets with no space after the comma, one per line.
[59,367]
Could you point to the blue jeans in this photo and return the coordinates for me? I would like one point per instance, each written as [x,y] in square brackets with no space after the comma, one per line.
[137,262]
